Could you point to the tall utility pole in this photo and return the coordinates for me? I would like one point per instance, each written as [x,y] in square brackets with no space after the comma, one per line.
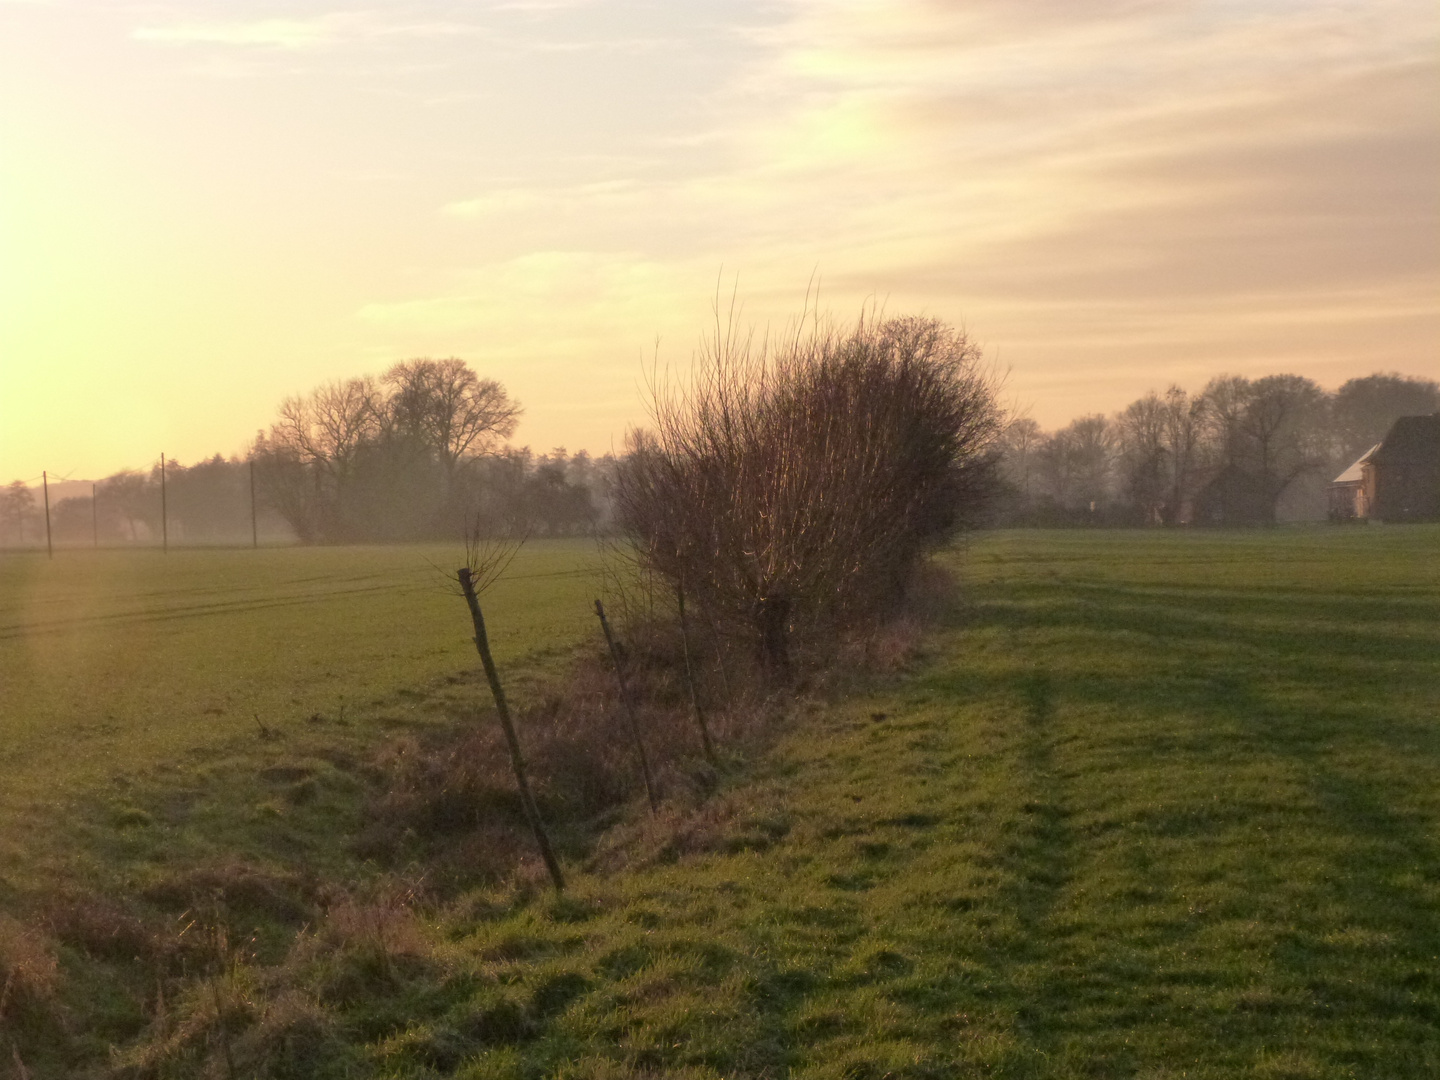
[94,518]
[164,511]
[45,482]
[254,528]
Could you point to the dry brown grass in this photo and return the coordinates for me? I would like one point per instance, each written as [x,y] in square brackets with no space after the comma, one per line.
[29,971]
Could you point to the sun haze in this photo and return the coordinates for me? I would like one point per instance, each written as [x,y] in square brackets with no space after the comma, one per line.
[206,207]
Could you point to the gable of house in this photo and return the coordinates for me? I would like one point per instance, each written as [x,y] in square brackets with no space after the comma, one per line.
[1349,493]
[1405,471]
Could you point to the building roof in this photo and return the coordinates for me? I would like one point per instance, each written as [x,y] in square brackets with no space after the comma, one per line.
[1352,475]
[1412,440]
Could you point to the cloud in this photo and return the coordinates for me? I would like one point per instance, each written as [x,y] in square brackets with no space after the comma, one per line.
[1114,194]
[554,299]
[511,202]
[263,33]
[1002,156]
[357,26]
[300,34]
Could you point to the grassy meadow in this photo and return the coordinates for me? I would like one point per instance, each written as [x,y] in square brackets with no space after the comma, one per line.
[1142,805]
[1151,806]
[127,673]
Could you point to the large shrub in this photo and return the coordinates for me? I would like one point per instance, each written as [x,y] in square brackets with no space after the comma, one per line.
[797,487]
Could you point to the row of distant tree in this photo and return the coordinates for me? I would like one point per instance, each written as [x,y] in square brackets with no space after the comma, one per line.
[419,453]
[1241,451]
[552,494]
[416,454]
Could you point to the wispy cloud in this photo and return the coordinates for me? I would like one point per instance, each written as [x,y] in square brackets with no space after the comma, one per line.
[1105,189]
[298,34]
[609,195]
[358,26]
[262,33]
[1111,193]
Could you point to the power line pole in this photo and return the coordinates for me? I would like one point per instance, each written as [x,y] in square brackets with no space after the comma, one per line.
[164,511]
[45,482]
[94,518]
[254,528]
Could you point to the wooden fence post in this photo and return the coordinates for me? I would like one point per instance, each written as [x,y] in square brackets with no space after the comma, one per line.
[629,710]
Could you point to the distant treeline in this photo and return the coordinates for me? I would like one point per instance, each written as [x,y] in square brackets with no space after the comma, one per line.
[1240,452]
[416,454]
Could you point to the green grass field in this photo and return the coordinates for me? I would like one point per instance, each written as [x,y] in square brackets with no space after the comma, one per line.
[1155,806]
[1148,805]
[126,669]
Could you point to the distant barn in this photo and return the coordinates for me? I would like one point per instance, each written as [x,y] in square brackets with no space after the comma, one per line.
[1235,496]
[1399,480]
[1352,492]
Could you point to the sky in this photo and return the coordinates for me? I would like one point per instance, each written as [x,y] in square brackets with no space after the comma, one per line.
[209,205]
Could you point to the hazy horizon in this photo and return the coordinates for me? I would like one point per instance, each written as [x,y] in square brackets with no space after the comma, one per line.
[70,484]
[205,208]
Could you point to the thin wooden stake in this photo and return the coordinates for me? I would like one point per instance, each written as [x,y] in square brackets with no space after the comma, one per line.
[45,482]
[502,709]
[629,710]
[164,511]
[719,643]
[254,524]
[690,678]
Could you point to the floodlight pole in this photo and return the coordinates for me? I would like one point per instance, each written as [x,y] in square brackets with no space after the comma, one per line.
[45,483]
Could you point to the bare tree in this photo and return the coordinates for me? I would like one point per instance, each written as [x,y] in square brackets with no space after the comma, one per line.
[1363,410]
[1285,425]
[1019,443]
[329,430]
[449,409]
[287,483]
[1284,422]
[802,484]
[331,425]
[1226,398]
[17,511]
[1184,421]
[133,498]
[1260,437]
[1056,467]
[1143,457]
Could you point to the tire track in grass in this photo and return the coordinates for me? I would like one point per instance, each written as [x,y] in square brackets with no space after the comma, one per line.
[204,610]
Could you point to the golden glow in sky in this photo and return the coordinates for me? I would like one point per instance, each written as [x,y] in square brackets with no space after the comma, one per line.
[207,206]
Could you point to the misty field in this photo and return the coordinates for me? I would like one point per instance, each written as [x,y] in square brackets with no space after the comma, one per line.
[120,663]
[1145,804]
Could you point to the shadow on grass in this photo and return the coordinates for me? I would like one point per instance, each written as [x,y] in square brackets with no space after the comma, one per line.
[1237,809]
